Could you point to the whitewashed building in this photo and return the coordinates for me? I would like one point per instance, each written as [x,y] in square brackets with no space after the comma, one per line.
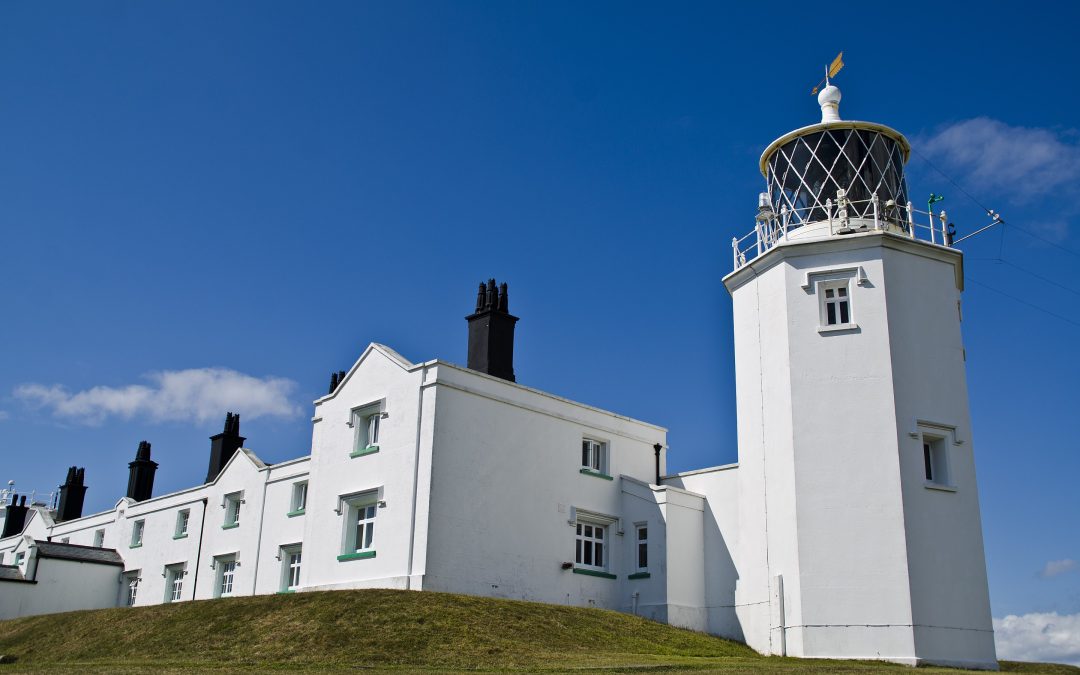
[849,528]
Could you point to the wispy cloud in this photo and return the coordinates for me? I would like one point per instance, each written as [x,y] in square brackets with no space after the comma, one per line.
[1058,567]
[196,394]
[1019,164]
[1049,637]
[4,415]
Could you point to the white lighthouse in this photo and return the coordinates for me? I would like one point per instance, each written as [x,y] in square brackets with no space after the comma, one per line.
[859,532]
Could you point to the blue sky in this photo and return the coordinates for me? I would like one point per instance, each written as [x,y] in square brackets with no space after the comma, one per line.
[211,206]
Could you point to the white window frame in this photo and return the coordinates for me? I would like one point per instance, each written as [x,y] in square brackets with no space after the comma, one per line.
[131,588]
[225,579]
[174,582]
[292,559]
[19,557]
[299,497]
[231,503]
[585,545]
[366,422]
[138,533]
[937,469]
[835,293]
[639,543]
[360,507]
[183,521]
[594,455]
[99,538]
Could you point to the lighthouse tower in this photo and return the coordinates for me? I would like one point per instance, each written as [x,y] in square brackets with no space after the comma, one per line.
[859,530]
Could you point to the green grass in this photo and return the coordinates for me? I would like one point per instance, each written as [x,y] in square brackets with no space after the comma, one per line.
[381,630]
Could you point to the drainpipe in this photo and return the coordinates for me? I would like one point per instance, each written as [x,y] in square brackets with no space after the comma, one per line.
[258,541]
[657,448]
[198,553]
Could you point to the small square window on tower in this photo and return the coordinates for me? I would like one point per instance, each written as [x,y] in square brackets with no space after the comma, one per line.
[835,304]
[935,460]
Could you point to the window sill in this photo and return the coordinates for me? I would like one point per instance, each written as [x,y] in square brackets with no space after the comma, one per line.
[286,591]
[359,555]
[939,486]
[595,573]
[298,512]
[369,450]
[639,575]
[229,526]
[840,327]
[134,545]
[595,474]
[180,536]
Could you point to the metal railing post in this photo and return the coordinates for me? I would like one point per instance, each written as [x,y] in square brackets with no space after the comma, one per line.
[828,210]
[877,220]
[911,220]
[944,237]
[734,253]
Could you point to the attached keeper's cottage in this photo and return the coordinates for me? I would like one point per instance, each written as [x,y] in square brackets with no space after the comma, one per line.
[848,529]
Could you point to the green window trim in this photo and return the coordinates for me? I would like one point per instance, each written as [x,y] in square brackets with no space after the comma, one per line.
[180,536]
[286,591]
[369,450]
[595,573]
[595,474]
[139,545]
[293,514]
[229,526]
[359,555]
[639,575]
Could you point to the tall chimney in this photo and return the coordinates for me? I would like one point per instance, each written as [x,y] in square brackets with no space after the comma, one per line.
[16,517]
[72,493]
[141,474]
[491,332]
[224,445]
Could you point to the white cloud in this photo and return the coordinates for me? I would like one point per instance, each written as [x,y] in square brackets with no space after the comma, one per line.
[1056,567]
[996,160]
[198,394]
[1049,637]
[4,415]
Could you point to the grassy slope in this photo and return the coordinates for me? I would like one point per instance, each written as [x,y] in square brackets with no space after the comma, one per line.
[376,629]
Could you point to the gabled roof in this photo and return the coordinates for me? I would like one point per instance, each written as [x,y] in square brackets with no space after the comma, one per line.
[89,554]
[389,353]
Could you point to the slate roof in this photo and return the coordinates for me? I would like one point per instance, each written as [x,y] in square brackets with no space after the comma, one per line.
[10,573]
[90,554]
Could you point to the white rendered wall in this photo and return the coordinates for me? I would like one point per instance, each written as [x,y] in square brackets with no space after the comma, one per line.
[720,520]
[379,377]
[506,484]
[949,594]
[62,586]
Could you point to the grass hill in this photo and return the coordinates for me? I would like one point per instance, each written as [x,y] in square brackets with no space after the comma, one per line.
[382,630]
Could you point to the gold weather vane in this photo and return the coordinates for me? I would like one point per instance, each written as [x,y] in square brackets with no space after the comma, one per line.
[830,71]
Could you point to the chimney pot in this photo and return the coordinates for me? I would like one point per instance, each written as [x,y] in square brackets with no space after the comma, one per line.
[491,332]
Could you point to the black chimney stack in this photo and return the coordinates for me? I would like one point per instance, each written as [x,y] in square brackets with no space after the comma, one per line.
[491,332]
[72,493]
[141,474]
[336,379]
[16,517]
[224,445]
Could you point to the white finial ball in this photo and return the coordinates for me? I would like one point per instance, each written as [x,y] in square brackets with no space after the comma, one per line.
[829,100]
[830,94]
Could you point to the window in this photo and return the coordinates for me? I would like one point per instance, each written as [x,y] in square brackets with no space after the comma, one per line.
[174,582]
[290,568]
[836,306]
[642,543]
[299,498]
[359,536]
[226,575]
[594,457]
[366,423]
[137,533]
[935,460]
[589,549]
[182,518]
[232,509]
[99,538]
[131,588]
[19,558]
